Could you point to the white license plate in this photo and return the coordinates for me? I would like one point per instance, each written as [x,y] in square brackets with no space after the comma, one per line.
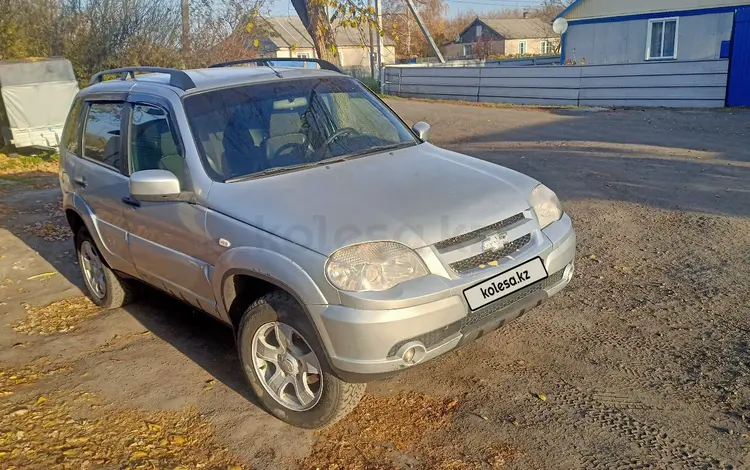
[505,283]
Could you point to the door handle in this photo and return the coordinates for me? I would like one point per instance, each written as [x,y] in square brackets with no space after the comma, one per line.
[130,202]
[80,181]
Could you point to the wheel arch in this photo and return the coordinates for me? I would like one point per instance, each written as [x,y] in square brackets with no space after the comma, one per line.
[241,287]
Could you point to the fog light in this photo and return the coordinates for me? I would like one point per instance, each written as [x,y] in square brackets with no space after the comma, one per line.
[412,352]
[568,273]
[409,354]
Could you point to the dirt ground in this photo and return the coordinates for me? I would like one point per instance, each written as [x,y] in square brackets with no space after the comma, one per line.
[643,362]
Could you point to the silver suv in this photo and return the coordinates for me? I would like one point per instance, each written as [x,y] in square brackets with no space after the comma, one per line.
[295,206]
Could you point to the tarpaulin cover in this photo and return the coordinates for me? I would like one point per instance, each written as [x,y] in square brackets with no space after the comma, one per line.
[30,71]
[38,105]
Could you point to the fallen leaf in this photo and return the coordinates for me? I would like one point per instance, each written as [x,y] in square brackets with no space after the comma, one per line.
[41,400]
[40,276]
[139,454]
[542,397]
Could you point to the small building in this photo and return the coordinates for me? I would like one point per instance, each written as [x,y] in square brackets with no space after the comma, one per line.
[638,31]
[289,38]
[503,37]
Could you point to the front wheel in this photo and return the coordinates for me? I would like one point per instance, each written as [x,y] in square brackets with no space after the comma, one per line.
[286,366]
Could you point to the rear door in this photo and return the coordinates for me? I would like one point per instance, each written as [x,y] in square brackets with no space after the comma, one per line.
[168,240]
[99,181]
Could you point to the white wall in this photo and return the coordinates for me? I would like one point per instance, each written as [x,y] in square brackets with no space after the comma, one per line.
[623,42]
[608,8]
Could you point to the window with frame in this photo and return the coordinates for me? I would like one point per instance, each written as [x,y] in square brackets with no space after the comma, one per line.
[479,31]
[303,55]
[522,47]
[546,47]
[662,39]
[101,138]
[467,50]
[72,130]
[152,143]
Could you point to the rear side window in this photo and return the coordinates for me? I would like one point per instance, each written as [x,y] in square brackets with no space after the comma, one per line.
[72,129]
[101,139]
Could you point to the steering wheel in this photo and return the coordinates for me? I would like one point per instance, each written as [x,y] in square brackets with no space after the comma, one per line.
[290,150]
[337,134]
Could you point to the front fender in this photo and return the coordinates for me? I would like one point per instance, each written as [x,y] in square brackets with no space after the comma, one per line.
[267,265]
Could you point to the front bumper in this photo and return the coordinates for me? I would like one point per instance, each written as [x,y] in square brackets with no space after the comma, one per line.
[365,343]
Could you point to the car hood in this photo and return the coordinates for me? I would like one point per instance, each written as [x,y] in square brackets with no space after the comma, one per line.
[417,195]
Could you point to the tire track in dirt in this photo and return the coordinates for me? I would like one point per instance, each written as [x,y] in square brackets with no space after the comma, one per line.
[608,411]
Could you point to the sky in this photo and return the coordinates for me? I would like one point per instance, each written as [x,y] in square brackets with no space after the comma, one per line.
[284,7]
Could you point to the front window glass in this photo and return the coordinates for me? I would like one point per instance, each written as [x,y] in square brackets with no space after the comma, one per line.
[243,131]
[152,144]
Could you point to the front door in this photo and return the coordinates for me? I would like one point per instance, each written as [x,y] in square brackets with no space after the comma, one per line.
[98,180]
[167,239]
[739,67]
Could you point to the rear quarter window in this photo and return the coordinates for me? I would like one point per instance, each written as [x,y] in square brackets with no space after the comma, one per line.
[72,130]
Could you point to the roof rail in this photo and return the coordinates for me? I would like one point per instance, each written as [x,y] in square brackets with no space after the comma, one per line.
[177,78]
[266,61]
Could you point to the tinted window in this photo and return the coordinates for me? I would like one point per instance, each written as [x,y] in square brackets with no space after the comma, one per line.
[73,128]
[152,144]
[249,129]
[101,141]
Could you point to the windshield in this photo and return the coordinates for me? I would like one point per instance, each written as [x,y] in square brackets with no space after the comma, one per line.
[247,130]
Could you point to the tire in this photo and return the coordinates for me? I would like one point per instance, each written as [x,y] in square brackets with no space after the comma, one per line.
[117,292]
[334,398]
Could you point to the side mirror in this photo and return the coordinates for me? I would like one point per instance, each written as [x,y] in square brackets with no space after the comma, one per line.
[154,185]
[422,129]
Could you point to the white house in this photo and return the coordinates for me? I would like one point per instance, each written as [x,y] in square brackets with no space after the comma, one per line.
[288,38]
[632,31]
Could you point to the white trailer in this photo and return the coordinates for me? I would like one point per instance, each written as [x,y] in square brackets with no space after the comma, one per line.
[35,96]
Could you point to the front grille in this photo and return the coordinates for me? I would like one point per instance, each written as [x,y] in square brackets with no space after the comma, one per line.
[480,232]
[435,337]
[490,310]
[482,260]
[430,339]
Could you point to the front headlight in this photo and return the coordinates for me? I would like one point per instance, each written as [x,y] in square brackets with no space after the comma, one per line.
[546,205]
[374,266]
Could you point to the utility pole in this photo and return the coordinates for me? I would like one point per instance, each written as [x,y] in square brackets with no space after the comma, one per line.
[425,31]
[371,50]
[379,12]
[185,40]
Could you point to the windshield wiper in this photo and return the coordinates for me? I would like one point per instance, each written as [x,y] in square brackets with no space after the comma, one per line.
[284,169]
[269,171]
[376,149]
[326,161]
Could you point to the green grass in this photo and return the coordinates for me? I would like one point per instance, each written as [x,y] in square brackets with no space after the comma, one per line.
[43,162]
[372,84]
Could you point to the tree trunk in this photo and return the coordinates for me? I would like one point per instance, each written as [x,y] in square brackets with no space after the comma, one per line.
[321,32]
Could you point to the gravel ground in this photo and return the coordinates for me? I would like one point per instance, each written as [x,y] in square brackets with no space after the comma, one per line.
[643,362]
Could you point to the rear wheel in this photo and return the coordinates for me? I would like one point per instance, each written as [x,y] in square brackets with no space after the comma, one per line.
[104,286]
[286,366]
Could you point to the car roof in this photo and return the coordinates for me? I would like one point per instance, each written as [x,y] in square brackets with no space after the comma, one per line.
[211,78]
